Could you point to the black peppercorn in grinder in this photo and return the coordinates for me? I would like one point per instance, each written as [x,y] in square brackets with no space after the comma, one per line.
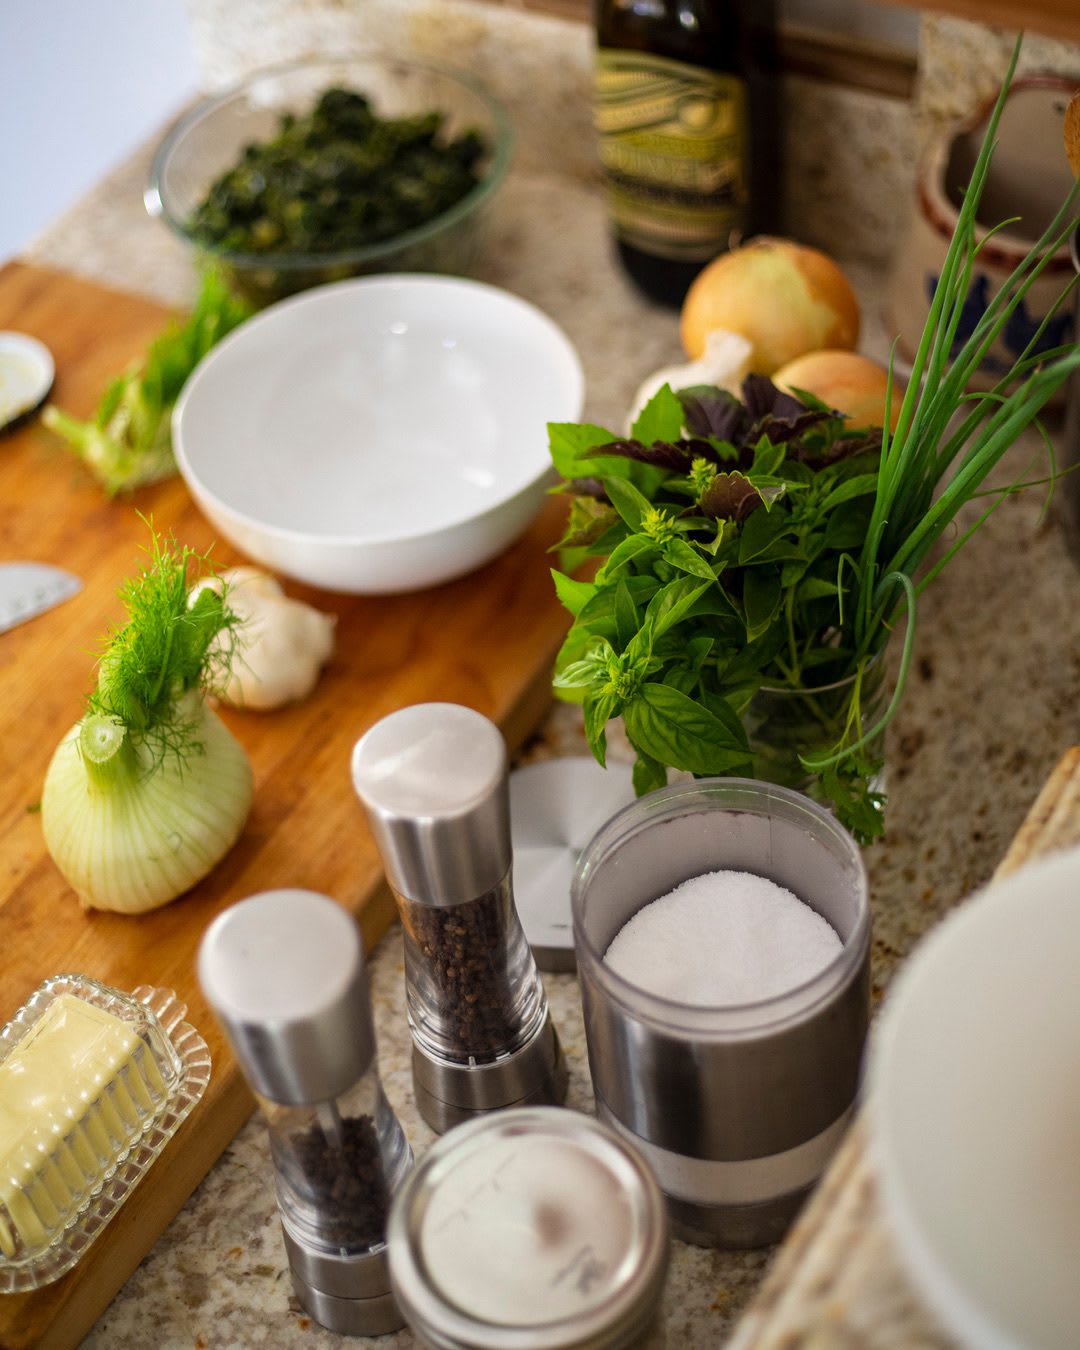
[284,972]
[433,780]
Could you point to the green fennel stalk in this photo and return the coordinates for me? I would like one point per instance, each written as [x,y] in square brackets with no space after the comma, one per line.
[128,441]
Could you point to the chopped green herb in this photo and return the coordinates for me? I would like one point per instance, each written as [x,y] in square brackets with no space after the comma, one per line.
[336,179]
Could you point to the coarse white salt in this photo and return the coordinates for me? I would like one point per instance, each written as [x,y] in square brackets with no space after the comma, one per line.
[723,938]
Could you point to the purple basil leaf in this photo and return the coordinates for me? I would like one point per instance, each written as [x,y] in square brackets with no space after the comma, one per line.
[730,496]
[714,412]
[660,454]
[585,487]
[760,396]
[844,447]
[778,415]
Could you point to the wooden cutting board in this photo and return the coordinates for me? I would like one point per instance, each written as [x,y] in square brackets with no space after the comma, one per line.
[487,640]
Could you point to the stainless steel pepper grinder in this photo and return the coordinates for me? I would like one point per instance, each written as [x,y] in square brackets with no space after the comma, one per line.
[433,780]
[284,972]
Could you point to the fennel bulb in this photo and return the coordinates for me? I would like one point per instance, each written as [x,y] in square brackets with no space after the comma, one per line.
[150,789]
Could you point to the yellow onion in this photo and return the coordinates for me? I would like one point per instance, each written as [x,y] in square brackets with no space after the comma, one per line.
[785,298]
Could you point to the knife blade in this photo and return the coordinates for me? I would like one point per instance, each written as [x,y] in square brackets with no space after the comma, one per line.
[30,588]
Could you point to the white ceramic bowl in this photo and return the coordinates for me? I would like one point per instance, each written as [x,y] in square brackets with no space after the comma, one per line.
[378,435]
[975,1113]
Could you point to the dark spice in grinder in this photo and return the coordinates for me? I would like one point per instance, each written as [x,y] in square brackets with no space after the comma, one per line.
[345,1181]
[465,950]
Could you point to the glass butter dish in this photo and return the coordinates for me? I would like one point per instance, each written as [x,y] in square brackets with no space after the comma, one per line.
[93,1085]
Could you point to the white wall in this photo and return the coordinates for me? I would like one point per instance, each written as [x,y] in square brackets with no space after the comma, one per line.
[82,82]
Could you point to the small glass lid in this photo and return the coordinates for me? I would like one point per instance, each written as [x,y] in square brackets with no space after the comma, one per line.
[534,1227]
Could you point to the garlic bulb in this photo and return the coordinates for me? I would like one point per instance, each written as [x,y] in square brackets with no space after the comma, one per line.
[725,363]
[282,643]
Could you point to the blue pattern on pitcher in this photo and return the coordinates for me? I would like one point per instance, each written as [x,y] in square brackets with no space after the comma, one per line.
[1017,333]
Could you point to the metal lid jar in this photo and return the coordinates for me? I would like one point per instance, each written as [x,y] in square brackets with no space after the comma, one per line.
[534,1229]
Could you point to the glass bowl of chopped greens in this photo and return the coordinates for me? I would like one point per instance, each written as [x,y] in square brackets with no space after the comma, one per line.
[335,168]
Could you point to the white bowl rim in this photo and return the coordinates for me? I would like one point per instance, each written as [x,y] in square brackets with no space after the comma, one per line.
[948,1294]
[320,294]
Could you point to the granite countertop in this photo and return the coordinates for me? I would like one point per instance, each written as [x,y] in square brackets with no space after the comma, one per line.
[990,706]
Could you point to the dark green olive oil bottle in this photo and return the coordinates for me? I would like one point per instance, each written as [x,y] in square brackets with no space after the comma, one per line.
[686,122]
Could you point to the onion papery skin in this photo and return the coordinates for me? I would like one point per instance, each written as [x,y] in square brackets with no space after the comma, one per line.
[139,836]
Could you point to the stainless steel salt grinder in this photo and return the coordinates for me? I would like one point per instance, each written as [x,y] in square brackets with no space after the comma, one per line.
[284,972]
[433,780]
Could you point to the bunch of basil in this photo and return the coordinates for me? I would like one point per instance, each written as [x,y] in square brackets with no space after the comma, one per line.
[725,525]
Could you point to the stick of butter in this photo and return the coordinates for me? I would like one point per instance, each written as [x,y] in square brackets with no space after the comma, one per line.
[74,1093]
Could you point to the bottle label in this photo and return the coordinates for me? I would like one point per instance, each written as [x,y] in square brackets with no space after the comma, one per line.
[673,145]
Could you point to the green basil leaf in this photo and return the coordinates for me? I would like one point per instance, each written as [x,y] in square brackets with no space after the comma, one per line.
[682,678]
[635,547]
[648,775]
[847,526]
[673,602]
[661,419]
[761,600]
[759,531]
[768,458]
[638,652]
[597,619]
[781,550]
[687,559]
[750,659]
[628,501]
[697,650]
[861,485]
[675,730]
[569,445]
[576,645]
[597,713]
[720,706]
[573,595]
[817,588]
[627,621]
[579,674]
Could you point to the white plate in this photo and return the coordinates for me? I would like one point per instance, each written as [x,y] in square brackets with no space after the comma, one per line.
[975,1113]
[381,434]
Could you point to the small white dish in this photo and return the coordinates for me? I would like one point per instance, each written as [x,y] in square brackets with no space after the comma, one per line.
[974,1108]
[27,372]
[378,435]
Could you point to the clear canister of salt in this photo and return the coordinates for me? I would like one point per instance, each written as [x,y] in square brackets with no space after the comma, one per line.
[284,972]
[433,779]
